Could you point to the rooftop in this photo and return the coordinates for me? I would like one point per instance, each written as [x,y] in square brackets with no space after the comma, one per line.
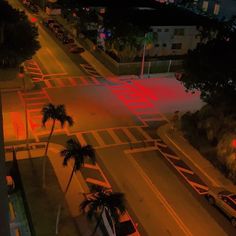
[162,15]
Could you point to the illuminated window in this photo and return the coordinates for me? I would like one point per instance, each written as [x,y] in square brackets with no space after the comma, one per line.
[179,32]
[176,46]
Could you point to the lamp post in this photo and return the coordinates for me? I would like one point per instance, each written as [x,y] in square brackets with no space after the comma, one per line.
[22,76]
[143,57]
[148,39]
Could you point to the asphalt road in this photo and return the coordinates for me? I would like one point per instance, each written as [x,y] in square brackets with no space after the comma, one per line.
[158,199]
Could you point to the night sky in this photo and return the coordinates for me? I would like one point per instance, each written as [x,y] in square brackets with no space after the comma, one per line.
[228,8]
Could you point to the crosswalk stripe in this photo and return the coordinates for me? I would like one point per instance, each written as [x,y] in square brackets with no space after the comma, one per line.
[129,134]
[146,135]
[98,138]
[32,93]
[184,170]
[171,156]
[84,81]
[194,184]
[114,136]
[72,81]
[153,119]
[81,139]
[160,144]
[97,182]
[94,80]
[60,82]
[48,84]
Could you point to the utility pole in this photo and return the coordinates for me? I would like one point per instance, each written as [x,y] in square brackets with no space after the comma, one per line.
[143,58]
[22,75]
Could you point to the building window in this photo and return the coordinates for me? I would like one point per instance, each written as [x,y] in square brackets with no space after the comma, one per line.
[166,30]
[164,44]
[179,32]
[176,46]
[159,30]
[157,45]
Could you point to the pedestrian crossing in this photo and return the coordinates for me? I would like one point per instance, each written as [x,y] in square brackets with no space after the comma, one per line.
[32,68]
[138,103]
[63,81]
[114,136]
[34,102]
[197,184]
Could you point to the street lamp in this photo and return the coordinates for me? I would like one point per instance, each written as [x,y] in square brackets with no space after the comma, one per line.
[21,75]
[148,39]
[143,57]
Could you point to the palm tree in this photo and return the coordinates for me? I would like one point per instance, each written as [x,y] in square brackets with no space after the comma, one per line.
[100,200]
[74,150]
[51,112]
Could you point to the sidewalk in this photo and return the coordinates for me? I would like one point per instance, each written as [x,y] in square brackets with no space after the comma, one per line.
[74,195]
[202,167]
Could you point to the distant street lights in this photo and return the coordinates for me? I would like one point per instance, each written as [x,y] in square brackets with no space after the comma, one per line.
[234,147]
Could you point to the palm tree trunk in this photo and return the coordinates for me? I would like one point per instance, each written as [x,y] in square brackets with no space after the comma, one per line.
[60,205]
[68,184]
[98,222]
[49,137]
[45,154]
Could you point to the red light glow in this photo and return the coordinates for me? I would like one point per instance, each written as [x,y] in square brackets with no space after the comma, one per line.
[33,19]
[234,143]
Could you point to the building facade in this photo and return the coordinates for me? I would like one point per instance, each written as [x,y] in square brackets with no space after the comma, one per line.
[173,40]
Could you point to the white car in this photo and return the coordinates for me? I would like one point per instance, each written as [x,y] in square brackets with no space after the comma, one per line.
[225,200]
[126,226]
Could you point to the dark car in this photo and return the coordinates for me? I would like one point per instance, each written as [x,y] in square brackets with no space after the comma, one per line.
[56,27]
[73,48]
[68,40]
[46,22]
[60,34]
[33,8]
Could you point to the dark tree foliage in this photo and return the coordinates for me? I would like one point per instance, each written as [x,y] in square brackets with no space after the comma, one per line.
[18,37]
[211,67]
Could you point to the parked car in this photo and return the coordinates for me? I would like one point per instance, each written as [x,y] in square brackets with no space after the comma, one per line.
[60,34]
[225,200]
[125,227]
[48,21]
[67,40]
[32,7]
[56,27]
[53,25]
[73,48]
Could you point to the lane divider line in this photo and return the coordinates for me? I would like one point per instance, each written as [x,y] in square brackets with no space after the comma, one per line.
[161,198]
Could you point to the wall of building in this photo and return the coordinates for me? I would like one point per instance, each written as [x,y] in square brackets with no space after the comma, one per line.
[173,40]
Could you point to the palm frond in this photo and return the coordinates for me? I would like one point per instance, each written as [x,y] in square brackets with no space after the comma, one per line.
[88,151]
[48,112]
[96,201]
[69,120]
